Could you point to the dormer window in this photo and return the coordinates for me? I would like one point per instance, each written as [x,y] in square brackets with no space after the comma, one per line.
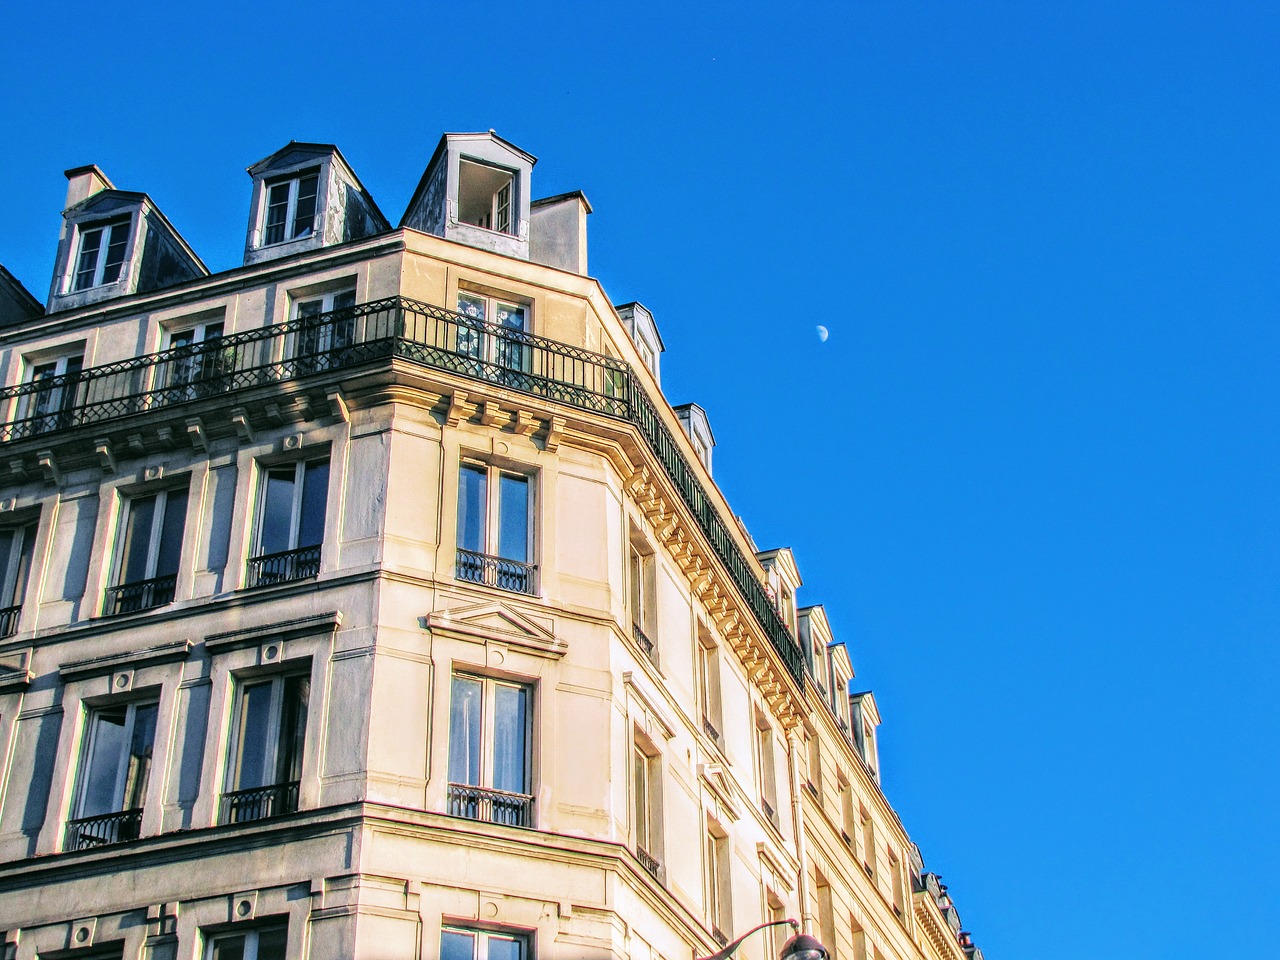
[485,196]
[291,208]
[101,254]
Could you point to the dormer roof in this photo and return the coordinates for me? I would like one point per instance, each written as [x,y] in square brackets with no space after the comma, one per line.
[17,305]
[784,561]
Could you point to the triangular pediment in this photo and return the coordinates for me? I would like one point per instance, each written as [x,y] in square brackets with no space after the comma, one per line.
[497,622]
[718,783]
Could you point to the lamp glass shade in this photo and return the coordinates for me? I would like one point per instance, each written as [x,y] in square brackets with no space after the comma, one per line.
[802,947]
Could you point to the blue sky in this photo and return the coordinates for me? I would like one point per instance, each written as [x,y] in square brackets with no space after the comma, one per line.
[1032,474]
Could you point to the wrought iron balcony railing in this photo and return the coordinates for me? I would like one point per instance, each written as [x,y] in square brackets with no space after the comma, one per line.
[139,595]
[489,805]
[283,567]
[9,617]
[381,330]
[645,643]
[88,832]
[497,572]
[648,861]
[710,730]
[259,803]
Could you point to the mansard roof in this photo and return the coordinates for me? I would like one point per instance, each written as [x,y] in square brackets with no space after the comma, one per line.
[16,301]
[299,151]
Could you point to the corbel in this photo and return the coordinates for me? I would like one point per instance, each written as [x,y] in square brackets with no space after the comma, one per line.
[106,456]
[164,437]
[273,413]
[196,434]
[459,409]
[48,465]
[525,423]
[637,480]
[17,470]
[240,420]
[555,431]
[338,405]
[491,414]
[137,446]
[302,406]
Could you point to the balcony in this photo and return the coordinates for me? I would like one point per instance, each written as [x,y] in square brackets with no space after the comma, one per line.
[649,862]
[283,567]
[259,803]
[9,617]
[89,832]
[139,595]
[645,644]
[497,572]
[489,805]
[244,367]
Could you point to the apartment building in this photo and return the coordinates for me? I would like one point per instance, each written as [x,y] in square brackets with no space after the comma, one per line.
[369,600]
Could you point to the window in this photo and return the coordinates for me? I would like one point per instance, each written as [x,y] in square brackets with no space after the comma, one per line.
[101,255]
[646,786]
[486,196]
[895,880]
[463,943]
[291,513]
[50,404]
[196,362]
[867,832]
[716,875]
[290,208]
[265,764]
[17,544]
[114,768]
[267,943]
[826,916]
[496,341]
[495,528]
[490,750]
[709,682]
[848,822]
[640,594]
[775,913]
[148,551]
[815,768]
[768,771]
[325,331]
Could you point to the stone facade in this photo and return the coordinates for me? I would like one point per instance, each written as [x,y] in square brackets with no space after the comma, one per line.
[370,601]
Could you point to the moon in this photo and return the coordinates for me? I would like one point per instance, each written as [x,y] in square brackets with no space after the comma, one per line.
[822,333]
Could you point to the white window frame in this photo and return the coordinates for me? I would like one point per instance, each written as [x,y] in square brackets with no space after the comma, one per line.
[122,768]
[493,507]
[717,886]
[250,937]
[488,723]
[106,231]
[153,536]
[766,767]
[295,516]
[294,184]
[709,694]
[502,202]
[646,796]
[482,935]
[24,537]
[271,736]
[487,347]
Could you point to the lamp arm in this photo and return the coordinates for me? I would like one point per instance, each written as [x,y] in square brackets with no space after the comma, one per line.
[727,951]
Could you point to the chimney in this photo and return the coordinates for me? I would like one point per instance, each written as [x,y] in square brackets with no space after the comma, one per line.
[84,182]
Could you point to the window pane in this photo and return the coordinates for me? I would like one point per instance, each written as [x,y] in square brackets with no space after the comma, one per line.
[305,209]
[175,518]
[115,252]
[293,729]
[254,720]
[140,748]
[277,210]
[272,943]
[137,539]
[510,738]
[471,306]
[472,496]
[106,749]
[228,948]
[464,731]
[640,787]
[87,265]
[505,948]
[315,492]
[9,560]
[455,945]
[277,511]
[513,513]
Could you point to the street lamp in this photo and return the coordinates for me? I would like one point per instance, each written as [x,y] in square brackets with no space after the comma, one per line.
[800,947]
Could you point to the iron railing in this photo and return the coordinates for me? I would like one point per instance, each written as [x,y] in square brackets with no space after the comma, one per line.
[645,643]
[283,567]
[395,327]
[497,572]
[648,861]
[711,730]
[88,832]
[719,936]
[490,805]
[259,803]
[9,617]
[139,595]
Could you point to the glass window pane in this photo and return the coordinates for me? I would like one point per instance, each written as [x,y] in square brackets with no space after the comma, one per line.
[293,729]
[141,745]
[171,527]
[640,776]
[513,512]
[272,943]
[115,252]
[87,265]
[464,730]
[456,945]
[277,511]
[505,948]
[472,497]
[305,209]
[471,306]
[251,749]
[106,750]
[228,948]
[511,316]
[136,545]
[315,493]
[510,738]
